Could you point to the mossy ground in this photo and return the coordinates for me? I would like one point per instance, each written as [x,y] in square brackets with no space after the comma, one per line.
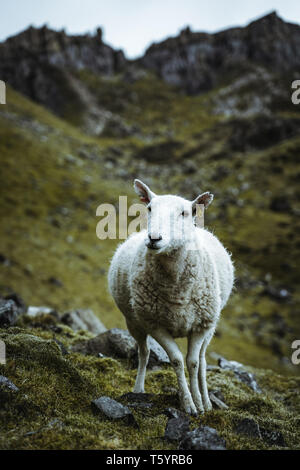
[52,409]
[53,177]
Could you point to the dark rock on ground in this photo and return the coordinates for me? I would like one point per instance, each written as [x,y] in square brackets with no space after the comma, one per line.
[83,320]
[274,438]
[240,373]
[6,383]
[202,438]
[55,282]
[114,410]
[249,427]
[138,400]
[177,428]
[173,413]
[18,301]
[119,343]
[9,312]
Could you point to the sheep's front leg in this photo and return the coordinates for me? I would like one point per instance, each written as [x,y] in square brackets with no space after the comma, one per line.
[202,371]
[175,356]
[143,351]
[195,341]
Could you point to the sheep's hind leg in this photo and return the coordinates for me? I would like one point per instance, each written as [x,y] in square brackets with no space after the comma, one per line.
[195,341]
[175,356]
[202,371]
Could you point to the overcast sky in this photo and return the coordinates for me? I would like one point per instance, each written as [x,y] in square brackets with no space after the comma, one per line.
[133,25]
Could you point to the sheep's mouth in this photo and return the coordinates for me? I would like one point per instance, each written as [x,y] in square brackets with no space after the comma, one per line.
[152,246]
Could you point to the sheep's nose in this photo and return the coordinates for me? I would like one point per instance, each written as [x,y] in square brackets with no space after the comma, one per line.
[154,238]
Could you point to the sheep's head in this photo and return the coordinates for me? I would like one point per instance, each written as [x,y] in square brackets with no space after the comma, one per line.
[171,219]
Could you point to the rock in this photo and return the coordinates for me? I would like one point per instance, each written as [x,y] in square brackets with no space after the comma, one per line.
[113,410]
[55,282]
[218,402]
[274,438]
[174,413]
[202,438]
[49,55]
[9,312]
[240,373]
[18,301]
[138,400]
[157,354]
[205,58]
[83,320]
[33,311]
[6,383]
[119,343]
[177,428]
[248,427]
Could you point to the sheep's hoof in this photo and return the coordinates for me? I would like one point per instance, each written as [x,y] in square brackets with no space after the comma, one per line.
[208,406]
[190,408]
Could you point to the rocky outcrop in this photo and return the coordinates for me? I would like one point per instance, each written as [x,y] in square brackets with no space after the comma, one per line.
[37,62]
[198,62]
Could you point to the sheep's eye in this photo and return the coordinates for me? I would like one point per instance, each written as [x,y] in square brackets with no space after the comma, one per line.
[149,208]
[184,213]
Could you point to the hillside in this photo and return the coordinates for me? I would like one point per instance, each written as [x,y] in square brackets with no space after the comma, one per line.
[76,131]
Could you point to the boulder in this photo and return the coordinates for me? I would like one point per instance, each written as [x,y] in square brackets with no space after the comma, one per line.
[177,428]
[7,384]
[249,427]
[119,343]
[240,373]
[83,320]
[113,410]
[202,438]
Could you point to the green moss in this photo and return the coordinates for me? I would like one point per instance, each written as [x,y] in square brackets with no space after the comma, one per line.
[52,408]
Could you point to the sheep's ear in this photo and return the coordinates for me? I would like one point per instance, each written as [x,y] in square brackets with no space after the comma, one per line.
[143,191]
[205,199]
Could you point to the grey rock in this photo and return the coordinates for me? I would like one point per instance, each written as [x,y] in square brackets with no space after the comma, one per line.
[113,410]
[83,320]
[217,401]
[249,427]
[241,374]
[203,438]
[177,428]
[174,413]
[274,438]
[205,58]
[6,383]
[157,354]
[34,311]
[119,343]
[9,312]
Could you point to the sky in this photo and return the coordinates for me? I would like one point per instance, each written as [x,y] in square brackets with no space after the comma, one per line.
[132,25]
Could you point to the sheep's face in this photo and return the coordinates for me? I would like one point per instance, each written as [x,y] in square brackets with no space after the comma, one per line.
[170,219]
[170,223]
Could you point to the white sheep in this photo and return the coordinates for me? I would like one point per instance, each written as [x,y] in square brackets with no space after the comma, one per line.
[168,290]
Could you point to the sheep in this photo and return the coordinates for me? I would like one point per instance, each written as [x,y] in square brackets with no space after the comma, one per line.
[168,290]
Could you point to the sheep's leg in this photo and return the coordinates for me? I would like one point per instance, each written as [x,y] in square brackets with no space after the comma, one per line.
[175,356]
[202,371]
[195,341]
[144,352]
